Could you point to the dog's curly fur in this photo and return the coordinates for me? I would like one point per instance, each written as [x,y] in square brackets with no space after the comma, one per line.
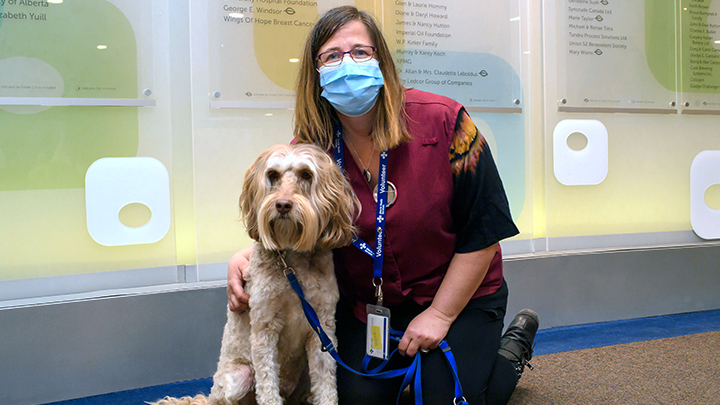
[295,200]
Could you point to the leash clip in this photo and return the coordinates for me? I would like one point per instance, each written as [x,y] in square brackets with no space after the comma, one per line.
[286,269]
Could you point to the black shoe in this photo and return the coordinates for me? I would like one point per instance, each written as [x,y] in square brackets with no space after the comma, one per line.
[516,344]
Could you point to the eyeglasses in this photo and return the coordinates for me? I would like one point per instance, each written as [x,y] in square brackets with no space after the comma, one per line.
[335,58]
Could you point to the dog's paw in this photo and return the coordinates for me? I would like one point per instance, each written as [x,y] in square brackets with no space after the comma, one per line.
[230,387]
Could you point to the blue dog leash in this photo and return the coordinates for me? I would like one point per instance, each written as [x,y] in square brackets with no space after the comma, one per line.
[412,373]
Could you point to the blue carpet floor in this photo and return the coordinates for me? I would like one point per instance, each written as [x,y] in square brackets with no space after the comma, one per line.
[567,338]
[141,395]
[547,341]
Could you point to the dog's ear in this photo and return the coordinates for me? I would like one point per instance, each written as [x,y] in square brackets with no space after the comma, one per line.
[252,186]
[341,211]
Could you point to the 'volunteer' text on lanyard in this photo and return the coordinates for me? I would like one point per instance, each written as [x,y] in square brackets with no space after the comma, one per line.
[377,255]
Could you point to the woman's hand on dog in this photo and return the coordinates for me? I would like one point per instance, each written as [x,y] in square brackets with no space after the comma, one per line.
[237,298]
[425,332]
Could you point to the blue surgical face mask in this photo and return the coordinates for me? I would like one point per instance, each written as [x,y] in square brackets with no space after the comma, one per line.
[352,88]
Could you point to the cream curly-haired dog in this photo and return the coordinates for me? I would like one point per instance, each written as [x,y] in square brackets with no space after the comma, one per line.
[295,200]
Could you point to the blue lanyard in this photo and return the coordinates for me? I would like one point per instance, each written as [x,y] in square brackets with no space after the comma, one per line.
[377,255]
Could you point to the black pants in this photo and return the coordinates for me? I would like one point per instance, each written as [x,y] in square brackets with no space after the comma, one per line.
[474,337]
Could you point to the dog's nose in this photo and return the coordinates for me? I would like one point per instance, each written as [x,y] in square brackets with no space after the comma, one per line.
[283,206]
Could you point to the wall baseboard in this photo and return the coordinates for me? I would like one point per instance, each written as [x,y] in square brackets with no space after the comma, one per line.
[579,288]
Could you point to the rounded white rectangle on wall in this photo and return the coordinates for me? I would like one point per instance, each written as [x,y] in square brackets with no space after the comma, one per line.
[585,165]
[704,173]
[113,183]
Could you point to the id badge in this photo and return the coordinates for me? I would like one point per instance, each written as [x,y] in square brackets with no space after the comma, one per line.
[378,329]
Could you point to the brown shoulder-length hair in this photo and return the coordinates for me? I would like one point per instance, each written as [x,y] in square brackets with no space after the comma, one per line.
[315,117]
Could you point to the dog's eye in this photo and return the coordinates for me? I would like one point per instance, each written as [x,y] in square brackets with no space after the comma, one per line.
[306,175]
[273,176]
